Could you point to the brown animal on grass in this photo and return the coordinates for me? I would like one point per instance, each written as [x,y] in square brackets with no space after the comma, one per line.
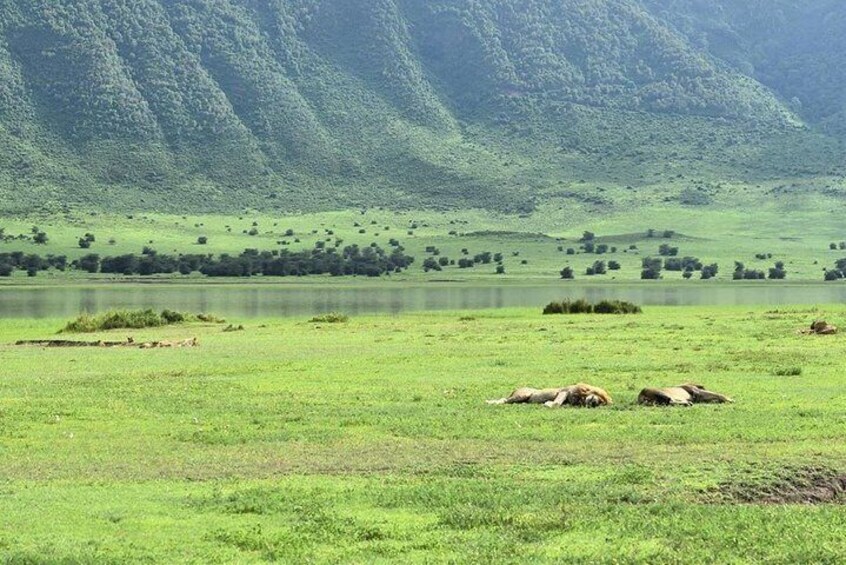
[682,395]
[575,395]
[821,327]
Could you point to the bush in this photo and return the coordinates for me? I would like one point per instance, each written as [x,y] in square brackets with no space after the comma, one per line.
[710,271]
[500,270]
[616,307]
[567,273]
[665,250]
[598,268]
[778,272]
[84,243]
[330,318]
[202,240]
[613,266]
[113,320]
[431,264]
[582,306]
[171,317]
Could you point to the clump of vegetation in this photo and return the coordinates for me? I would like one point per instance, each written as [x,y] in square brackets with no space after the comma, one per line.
[582,306]
[124,319]
[742,273]
[330,318]
[788,372]
[232,328]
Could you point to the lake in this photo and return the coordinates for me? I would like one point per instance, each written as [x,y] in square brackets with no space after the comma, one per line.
[252,301]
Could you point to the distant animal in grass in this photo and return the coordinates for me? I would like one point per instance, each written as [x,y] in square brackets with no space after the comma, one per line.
[682,395]
[576,395]
[821,327]
[191,342]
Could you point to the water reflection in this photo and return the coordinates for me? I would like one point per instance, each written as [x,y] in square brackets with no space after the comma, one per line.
[258,301]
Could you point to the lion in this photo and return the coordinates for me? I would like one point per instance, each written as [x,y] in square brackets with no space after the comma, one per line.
[821,327]
[682,395]
[576,395]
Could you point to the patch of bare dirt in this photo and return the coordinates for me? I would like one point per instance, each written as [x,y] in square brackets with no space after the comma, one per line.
[804,485]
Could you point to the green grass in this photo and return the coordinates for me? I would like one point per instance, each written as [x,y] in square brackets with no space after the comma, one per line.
[370,441]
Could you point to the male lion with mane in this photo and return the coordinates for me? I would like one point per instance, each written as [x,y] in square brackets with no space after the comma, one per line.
[575,395]
[682,395]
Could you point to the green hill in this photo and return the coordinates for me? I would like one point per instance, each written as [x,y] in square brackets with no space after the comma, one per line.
[221,105]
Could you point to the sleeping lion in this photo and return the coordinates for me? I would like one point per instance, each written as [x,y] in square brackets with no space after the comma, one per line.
[575,395]
[682,395]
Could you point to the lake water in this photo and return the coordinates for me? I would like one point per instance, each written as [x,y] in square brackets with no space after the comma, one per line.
[251,301]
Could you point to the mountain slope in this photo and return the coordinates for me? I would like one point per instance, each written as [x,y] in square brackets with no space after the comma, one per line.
[218,105]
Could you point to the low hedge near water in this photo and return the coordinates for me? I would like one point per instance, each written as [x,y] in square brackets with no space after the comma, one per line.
[132,319]
[582,306]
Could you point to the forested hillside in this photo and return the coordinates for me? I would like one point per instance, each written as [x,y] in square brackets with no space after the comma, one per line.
[218,105]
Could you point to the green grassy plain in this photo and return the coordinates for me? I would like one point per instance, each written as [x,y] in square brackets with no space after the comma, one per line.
[369,441]
[795,228]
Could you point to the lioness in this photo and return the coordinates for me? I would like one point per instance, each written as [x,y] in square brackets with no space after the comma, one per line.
[575,395]
[682,395]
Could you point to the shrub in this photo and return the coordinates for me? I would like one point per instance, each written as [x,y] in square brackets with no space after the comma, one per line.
[616,307]
[500,270]
[431,264]
[613,266]
[567,273]
[89,263]
[113,320]
[171,317]
[330,318]
[202,240]
[40,238]
[777,272]
[710,271]
[84,243]
[598,268]
[571,251]
[582,306]
[665,250]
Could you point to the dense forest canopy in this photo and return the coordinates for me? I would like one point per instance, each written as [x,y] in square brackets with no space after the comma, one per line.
[313,104]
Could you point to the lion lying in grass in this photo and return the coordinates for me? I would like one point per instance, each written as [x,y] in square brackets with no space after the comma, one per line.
[575,395]
[682,395]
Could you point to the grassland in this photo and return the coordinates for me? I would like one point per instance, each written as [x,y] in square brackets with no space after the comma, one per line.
[369,441]
[795,228]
